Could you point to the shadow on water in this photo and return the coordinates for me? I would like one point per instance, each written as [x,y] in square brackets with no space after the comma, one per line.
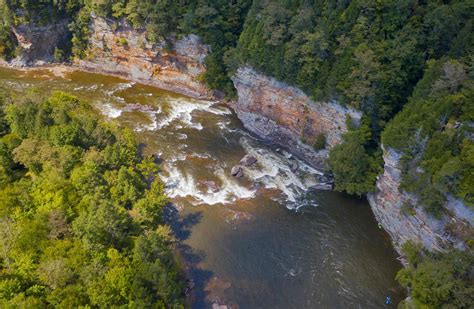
[198,278]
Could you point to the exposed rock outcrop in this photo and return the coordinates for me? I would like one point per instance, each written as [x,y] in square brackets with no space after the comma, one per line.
[237,171]
[248,160]
[273,110]
[38,42]
[211,186]
[285,115]
[419,226]
[116,48]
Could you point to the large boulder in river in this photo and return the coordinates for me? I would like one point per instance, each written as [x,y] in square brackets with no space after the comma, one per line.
[248,160]
[237,171]
[211,185]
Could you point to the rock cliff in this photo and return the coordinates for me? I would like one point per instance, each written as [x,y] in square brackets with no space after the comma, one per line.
[38,42]
[273,110]
[285,115]
[389,205]
[115,48]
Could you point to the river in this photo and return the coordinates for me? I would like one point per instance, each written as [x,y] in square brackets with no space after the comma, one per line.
[267,240]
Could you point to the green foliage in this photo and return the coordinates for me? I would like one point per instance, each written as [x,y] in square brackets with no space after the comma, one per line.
[355,169]
[407,209]
[366,54]
[438,280]
[79,28]
[320,142]
[434,133]
[58,55]
[80,212]
[8,42]
[122,41]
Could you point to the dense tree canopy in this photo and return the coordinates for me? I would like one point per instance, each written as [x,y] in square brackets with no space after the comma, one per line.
[367,54]
[438,280]
[435,132]
[80,211]
[80,217]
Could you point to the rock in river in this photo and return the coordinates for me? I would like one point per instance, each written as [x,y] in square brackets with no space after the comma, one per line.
[294,166]
[237,171]
[248,160]
[211,185]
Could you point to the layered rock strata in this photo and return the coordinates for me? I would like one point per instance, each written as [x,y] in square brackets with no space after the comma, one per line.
[286,116]
[401,216]
[116,48]
[37,43]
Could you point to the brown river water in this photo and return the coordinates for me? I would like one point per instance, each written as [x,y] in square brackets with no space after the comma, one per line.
[268,240]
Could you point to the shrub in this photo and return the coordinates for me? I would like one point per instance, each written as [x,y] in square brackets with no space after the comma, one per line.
[408,209]
[58,54]
[320,142]
[121,41]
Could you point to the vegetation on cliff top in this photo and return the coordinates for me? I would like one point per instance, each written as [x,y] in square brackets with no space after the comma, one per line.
[437,280]
[366,54]
[375,56]
[80,211]
[435,133]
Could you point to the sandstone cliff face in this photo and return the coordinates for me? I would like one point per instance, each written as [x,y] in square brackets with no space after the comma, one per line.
[276,112]
[434,234]
[37,43]
[116,48]
[285,115]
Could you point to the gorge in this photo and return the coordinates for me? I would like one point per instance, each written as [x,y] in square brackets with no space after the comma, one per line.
[200,140]
[244,240]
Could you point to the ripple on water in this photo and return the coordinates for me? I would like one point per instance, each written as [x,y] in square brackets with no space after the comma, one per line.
[274,171]
[181,184]
[182,110]
[109,110]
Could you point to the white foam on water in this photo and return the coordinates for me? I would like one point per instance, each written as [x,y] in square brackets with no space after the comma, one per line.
[178,157]
[274,172]
[109,110]
[223,125]
[153,125]
[181,136]
[182,110]
[179,184]
[119,87]
[201,155]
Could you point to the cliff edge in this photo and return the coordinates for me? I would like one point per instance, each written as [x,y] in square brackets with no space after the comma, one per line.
[394,211]
[286,116]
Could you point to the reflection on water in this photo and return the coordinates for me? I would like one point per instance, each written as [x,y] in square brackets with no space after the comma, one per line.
[268,239]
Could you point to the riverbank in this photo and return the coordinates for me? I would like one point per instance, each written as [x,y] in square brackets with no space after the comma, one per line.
[61,69]
[264,233]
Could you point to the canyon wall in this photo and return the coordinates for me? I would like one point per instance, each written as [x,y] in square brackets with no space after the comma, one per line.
[38,43]
[115,48]
[394,210]
[274,111]
[286,116]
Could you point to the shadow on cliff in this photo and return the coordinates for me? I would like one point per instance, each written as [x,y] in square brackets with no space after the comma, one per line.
[197,278]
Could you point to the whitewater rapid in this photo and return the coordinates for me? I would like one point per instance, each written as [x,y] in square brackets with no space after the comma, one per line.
[275,169]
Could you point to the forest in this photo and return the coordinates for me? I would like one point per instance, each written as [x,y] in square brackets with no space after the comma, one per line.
[408,65]
[367,54]
[80,211]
